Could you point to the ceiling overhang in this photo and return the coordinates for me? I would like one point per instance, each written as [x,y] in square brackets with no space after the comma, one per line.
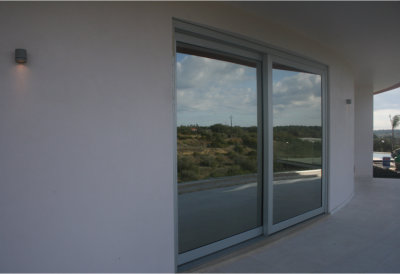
[365,34]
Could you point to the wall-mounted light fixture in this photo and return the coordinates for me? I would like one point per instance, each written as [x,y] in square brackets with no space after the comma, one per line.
[21,56]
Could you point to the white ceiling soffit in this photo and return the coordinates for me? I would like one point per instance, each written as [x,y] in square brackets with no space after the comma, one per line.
[366,34]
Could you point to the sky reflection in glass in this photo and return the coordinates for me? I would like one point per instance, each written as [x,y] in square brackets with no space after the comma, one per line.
[209,91]
[296,98]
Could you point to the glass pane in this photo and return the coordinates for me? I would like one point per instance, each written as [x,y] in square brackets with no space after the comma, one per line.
[297,142]
[218,181]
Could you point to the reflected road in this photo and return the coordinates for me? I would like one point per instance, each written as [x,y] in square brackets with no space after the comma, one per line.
[210,215]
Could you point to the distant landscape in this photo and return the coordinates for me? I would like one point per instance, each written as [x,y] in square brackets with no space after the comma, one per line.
[383,139]
[221,150]
[387,132]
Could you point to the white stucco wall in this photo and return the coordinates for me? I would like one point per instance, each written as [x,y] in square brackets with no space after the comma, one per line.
[364,116]
[86,131]
[341,138]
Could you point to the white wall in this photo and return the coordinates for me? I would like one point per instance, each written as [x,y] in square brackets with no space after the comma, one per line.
[85,144]
[364,116]
[86,131]
[341,157]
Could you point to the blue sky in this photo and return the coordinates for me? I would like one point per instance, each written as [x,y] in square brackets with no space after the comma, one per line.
[209,91]
[385,104]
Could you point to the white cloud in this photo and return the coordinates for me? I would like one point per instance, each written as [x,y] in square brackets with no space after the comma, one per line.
[209,91]
[297,100]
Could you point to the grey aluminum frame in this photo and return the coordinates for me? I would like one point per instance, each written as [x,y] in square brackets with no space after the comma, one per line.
[238,46]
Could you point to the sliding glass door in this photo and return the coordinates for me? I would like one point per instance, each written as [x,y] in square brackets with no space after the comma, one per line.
[218,149]
[297,186]
[250,140]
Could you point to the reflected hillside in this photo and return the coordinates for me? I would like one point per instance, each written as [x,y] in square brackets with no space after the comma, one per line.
[219,150]
[216,151]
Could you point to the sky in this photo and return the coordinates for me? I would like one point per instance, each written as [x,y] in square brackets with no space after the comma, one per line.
[210,91]
[296,98]
[385,104]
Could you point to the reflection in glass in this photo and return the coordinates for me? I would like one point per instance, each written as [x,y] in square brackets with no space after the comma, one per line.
[218,181]
[297,142]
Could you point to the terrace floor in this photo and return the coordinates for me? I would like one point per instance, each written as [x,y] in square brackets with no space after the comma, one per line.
[364,236]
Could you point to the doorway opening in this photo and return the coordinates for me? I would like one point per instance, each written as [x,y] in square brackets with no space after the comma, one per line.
[386,139]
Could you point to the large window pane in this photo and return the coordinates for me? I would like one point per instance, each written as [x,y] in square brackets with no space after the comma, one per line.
[218,179]
[297,142]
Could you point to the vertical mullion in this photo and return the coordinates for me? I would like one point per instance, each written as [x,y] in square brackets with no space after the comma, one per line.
[325,147]
[175,161]
[260,144]
[270,151]
[268,143]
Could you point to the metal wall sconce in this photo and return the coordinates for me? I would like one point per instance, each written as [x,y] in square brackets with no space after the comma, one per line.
[21,56]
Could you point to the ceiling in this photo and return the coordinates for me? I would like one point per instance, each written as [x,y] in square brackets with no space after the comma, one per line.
[366,34]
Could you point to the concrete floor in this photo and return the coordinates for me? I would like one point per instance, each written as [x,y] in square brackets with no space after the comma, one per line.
[364,236]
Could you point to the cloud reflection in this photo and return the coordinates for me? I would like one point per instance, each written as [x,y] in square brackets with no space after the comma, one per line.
[209,91]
